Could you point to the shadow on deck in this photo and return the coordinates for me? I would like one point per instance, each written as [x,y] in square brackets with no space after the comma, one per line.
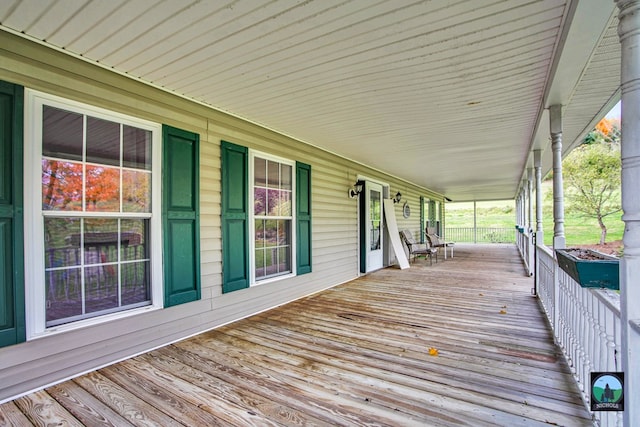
[356,354]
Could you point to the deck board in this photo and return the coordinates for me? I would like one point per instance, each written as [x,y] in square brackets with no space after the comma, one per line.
[356,354]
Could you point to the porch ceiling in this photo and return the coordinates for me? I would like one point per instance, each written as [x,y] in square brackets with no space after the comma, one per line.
[450,95]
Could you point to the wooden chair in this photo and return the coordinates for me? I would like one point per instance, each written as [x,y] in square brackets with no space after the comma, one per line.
[436,242]
[417,249]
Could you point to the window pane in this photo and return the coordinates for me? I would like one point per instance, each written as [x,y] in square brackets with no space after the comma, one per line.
[260,263]
[64,294]
[285,179]
[284,260]
[260,172]
[61,133]
[103,141]
[270,233]
[284,203]
[101,288]
[134,236]
[260,201]
[273,199]
[100,240]
[136,147]
[273,174]
[271,261]
[136,191]
[62,242]
[103,189]
[136,286]
[260,234]
[61,185]
[284,232]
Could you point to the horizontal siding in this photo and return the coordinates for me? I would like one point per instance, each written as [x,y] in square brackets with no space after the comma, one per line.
[335,225]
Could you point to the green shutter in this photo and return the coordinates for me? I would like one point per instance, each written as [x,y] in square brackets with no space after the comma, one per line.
[422,224]
[303,218]
[235,217]
[12,326]
[180,216]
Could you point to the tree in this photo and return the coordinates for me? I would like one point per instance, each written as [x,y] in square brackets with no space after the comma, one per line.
[592,175]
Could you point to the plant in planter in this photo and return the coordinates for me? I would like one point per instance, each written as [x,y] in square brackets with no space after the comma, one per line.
[591,269]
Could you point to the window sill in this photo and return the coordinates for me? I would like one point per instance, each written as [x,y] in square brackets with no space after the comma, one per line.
[81,324]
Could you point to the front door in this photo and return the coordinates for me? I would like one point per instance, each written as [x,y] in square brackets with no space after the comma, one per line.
[373,226]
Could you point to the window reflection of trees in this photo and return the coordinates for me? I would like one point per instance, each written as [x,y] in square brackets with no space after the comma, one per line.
[272,191]
[94,265]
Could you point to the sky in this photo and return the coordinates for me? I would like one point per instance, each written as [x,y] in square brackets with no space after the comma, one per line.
[615,112]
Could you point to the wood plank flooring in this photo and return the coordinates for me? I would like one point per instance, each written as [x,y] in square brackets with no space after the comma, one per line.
[357,354]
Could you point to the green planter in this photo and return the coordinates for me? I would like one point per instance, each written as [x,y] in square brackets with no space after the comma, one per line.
[591,269]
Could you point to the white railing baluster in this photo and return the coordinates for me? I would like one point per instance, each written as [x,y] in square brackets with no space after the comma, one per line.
[586,325]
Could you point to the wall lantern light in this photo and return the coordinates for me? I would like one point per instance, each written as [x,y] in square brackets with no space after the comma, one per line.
[397,197]
[357,189]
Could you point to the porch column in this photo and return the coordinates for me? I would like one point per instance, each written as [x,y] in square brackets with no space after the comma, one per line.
[629,33]
[530,197]
[537,165]
[530,248]
[555,114]
[475,223]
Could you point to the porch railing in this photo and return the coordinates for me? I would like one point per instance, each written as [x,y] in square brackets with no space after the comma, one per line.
[480,234]
[586,325]
[525,242]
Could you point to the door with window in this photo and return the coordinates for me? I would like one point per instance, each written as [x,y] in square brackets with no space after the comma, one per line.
[373,226]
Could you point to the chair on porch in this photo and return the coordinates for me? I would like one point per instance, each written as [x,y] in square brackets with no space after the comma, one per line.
[416,249]
[436,242]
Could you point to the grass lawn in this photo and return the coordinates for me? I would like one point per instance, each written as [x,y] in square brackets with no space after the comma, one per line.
[578,229]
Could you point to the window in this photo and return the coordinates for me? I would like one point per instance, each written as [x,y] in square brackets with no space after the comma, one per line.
[95,217]
[272,217]
[266,217]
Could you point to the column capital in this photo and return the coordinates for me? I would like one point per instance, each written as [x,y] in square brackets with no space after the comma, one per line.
[555,118]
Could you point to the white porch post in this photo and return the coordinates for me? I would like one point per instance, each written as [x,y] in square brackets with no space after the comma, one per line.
[537,167]
[629,33]
[555,119]
[530,197]
[537,164]
[475,223]
[530,248]
[555,113]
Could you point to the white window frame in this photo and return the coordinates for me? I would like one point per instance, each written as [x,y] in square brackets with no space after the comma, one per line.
[252,232]
[35,290]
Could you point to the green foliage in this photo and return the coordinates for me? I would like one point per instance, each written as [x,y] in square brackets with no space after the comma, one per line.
[579,230]
[592,182]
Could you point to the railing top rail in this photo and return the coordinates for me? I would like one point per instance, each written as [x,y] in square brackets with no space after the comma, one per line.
[546,249]
[609,298]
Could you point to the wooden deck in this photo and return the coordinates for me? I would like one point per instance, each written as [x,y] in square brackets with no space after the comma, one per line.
[357,354]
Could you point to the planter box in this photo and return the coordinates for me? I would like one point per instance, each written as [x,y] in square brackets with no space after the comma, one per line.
[591,269]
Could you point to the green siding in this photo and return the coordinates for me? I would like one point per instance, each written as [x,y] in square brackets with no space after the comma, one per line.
[303,218]
[235,217]
[12,323]
[180,216]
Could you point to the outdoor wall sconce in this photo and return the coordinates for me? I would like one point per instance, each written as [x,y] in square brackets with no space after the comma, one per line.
[357,189]
[397,197]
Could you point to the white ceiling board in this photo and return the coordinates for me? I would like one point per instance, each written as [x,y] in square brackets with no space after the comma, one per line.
[444,93]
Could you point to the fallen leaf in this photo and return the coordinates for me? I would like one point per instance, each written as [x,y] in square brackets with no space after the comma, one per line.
[433,351]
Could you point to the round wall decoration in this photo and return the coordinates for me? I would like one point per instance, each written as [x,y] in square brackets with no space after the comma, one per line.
[406,210]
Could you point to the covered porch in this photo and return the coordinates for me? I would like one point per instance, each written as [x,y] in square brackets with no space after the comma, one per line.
[461,342]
